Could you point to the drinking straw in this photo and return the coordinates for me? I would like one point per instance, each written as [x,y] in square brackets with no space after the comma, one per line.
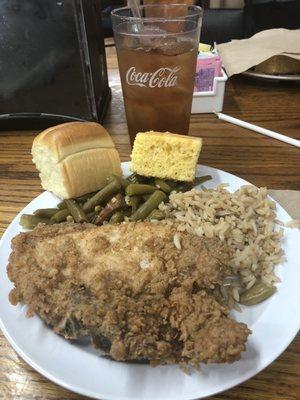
[259,129]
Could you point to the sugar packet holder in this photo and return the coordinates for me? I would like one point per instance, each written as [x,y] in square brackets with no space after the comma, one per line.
[207,69]
[210,102]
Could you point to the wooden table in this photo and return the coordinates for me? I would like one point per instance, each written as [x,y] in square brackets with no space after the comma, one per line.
[262,161]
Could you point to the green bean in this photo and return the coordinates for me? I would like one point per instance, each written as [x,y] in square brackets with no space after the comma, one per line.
[91,216]
[76,211]
[163,185]
[171,183]
[124,182]
[28,221]
[115,204]
[201,179]
[134,202]
[151,204]
[257,293]
[184,186]
[146,197]
[45,212]
[61,205]
[157,214]
[85,197]
[100,197]
[137,189]
[60,216]
[117,217]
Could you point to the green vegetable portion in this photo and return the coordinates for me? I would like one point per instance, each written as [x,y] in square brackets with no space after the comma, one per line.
[151,204]
[76,211]
[133,198]
[257,293]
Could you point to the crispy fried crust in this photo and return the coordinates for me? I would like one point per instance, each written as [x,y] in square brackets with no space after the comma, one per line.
[136,290]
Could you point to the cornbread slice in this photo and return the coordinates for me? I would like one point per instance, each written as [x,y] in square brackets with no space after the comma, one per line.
[165,155]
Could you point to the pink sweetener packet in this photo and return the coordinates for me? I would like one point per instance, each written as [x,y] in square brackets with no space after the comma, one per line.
[206,70]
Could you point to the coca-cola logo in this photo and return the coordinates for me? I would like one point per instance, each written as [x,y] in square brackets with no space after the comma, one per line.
[163,77]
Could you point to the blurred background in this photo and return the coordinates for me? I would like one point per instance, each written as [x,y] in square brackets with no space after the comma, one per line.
[225,20]
[52,51]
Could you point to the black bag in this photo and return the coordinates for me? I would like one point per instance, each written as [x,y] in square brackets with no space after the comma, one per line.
[52,63]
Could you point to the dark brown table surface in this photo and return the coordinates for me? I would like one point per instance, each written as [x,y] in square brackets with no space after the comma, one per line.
[261,160]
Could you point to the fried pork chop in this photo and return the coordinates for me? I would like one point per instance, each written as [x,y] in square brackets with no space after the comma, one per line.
[140,290]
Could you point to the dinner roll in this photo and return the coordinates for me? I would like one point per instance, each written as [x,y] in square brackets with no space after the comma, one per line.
[75,158]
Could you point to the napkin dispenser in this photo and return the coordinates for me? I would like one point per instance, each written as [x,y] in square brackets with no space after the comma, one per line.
[52,63]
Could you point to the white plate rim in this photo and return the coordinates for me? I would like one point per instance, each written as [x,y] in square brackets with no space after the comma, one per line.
[269,77]
[92,394]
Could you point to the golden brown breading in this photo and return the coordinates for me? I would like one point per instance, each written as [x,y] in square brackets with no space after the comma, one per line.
[141,290]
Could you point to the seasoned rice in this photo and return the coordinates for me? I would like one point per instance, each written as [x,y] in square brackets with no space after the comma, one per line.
[245,220]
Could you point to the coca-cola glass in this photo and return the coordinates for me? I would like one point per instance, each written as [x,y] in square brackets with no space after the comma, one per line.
[157,60]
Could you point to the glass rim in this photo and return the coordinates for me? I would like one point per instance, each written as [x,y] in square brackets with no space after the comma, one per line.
[198,11]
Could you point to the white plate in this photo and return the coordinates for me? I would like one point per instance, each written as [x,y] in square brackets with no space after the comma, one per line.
[79,368]
[269,77]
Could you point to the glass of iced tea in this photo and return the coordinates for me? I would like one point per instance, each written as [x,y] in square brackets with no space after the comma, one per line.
[157,60]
